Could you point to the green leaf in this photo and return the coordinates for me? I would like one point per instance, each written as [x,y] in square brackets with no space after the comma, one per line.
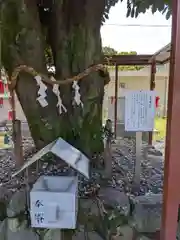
[133,12]
[168,15]
[136,13]
[128,12]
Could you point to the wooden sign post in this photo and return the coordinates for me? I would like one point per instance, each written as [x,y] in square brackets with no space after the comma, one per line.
[138,157]
[139,117]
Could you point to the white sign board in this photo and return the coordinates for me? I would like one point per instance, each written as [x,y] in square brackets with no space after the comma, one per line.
[139,111]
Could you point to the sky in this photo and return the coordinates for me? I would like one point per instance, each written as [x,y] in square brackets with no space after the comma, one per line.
[143,40]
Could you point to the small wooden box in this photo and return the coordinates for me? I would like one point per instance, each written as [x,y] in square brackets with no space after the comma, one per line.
[54,202]
[54,199]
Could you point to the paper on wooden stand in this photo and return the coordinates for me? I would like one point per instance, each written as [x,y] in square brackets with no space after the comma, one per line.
[139,111]
[139,117]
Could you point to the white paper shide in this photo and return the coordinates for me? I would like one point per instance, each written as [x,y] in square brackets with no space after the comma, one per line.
[77,95]
[56,91]
[139,110]
[41,92]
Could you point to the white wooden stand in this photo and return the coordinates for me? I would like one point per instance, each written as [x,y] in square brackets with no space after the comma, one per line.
[138,157]
[139,117]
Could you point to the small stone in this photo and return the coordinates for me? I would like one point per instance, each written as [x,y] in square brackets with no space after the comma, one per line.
[23,225]
[89,205]
[155,152]
[6,233]
[143,238]
[115,198]
[27,234]
[91,236]
[3,226]
[13,224]
[2,210]
[126,233]
[178,231]
[120,182]
[53,234]
[147,213]
[17,203]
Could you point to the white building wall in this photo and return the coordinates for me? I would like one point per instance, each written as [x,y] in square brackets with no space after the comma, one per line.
[135,80]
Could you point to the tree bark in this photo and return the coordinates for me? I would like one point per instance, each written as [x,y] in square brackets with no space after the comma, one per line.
[74,30]
[76,44]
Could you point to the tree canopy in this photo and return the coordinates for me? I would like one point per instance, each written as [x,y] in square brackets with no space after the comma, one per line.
[135,7]
[111,51]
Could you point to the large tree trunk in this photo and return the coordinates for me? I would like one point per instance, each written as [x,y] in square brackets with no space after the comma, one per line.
[74,29]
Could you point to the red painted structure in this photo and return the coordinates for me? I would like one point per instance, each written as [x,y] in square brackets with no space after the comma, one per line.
[3,91]
[157,101]
[129,60]
[172,154]
[152,87]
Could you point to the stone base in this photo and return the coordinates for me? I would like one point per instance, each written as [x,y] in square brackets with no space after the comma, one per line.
[147,213]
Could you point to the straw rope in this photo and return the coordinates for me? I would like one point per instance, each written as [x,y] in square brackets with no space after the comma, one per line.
[23,68]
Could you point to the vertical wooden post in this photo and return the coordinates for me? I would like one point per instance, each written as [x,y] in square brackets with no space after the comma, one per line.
[66,235]
[172,164]
[17,138]
[0,37]
[12,103]
[108,149]
[165,97]
[1,13]
[152,87]
[138,157]
[116,101]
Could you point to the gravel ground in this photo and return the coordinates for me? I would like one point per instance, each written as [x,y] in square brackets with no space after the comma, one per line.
[123,166]
[151,170]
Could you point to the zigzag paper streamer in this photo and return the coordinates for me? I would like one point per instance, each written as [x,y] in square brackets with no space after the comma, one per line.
[56,91]
[77,96]
[41,92]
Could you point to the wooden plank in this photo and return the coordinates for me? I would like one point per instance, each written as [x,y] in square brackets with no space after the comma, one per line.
[116,101]
[128,59]
[152,87]
[17,138]
[138,157]
[172,164]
